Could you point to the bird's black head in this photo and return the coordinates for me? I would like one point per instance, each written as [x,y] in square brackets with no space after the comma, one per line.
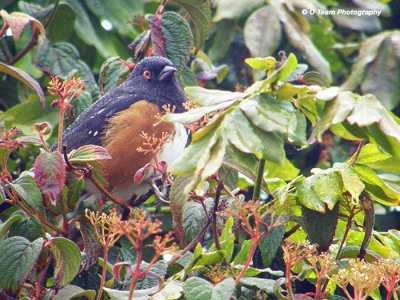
[157,76]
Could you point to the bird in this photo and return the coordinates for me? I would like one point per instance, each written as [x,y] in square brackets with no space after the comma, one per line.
[117,119]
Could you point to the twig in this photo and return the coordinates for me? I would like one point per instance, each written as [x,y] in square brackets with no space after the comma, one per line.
[259,179]
[28,47]
[357,153]
[191,244]
[214,215]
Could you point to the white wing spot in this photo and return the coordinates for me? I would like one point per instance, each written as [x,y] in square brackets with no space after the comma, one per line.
[90,132]
[95,133]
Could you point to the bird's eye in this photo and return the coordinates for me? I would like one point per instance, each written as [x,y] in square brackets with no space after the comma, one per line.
[146,75]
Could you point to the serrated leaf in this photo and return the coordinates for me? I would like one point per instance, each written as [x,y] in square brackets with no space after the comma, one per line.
[67,258]
[194,219]
[207,97]
[199,13]
[323,188]
[91,243]
[320,227]
[262,31]
[88,153]
[270,243]
[315,78]
[25,78]
[18,257]
[29,228]
[73,291]
[50,174]
[177,38]
[113,72]
[198,289]
[62,58]
[26,188]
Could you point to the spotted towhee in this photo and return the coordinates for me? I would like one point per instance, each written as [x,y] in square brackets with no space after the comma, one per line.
[117,119]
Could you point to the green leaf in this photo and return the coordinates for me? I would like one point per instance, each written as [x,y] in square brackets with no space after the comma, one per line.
[62,25]
[380,191]
[113,72]
[301,41]
[25,78]
[67,258]
[50,174]
[320,227]
[199,13]
[29,228]
[91,243]
[368,52]
[351,181]
[226,240]
[288,67]
[262,32]
[194,218]
[177,37]
[335,112]
[323,188]
[4,227]
[249,139]
[232,9]
[75,187]
[270,244]
[373,157]
[178,201]
[243,254]
[61,59]
[266,285]
[196,114]
[198,289]
[17,116]
[206,97]
[270,114]
[93,34]
[18,257]
[88,153]
[381,78]
[118,13]
[261,63]
[73,291]
[26,188]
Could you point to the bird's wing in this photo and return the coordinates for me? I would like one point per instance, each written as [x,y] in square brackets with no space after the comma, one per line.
[88,127]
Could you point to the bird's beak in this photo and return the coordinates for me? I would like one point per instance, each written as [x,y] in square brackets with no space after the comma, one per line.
[167,72]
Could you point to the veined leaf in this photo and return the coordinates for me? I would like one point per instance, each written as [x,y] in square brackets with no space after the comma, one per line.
[67,258]
[373,157]
[18,257]
[207,97]
[50,174]
[200,14]
[88,153]
[197,288]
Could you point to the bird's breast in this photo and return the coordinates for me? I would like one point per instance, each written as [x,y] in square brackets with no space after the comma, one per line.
[122,139]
